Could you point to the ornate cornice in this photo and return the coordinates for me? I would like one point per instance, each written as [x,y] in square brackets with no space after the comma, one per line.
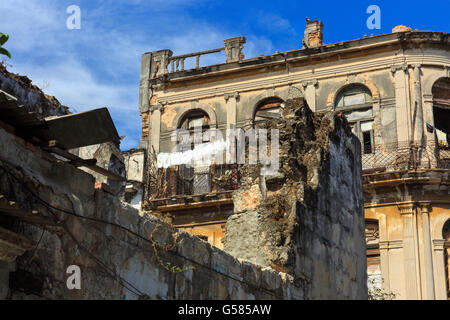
[297,77]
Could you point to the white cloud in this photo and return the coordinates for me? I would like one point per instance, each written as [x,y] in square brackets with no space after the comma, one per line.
[274,23]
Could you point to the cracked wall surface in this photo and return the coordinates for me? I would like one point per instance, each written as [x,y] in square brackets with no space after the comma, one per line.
[307,220]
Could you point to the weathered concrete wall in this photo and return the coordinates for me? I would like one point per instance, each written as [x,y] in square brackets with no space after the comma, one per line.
[308,219]
[88,244]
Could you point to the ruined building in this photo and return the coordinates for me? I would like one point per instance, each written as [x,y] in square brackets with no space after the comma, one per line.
[72,202]
[394,90]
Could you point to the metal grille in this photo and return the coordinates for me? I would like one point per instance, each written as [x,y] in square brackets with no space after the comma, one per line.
[183,180]
[406,155]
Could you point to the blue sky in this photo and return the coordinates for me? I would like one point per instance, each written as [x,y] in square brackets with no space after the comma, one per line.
[99,64]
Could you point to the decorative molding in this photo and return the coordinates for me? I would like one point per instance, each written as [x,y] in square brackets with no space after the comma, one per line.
[231,95]
[352,77]
[406,208]
[312,82]
[155,107]
[425,207]
[427,97]
[403,67]
[438,244]
[391,244]
[293,78]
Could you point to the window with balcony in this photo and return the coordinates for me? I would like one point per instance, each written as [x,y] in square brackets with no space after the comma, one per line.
[355,101]
[194,179]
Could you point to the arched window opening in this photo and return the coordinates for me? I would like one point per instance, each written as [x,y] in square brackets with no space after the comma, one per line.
[354,96]
[355,101]
[195,119]
[446,237]
[441,111]
[267,109]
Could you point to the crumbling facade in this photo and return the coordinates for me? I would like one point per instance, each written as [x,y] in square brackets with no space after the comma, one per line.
[61,210]
[55,217]
[394,91]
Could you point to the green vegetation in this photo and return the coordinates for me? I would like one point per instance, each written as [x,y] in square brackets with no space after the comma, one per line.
[3,39]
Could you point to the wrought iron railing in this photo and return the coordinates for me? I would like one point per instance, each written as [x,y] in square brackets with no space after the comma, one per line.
[195,183]
[406,155]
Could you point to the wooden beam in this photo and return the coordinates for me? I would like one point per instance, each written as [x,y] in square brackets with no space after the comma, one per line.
[84,163]
[12,209]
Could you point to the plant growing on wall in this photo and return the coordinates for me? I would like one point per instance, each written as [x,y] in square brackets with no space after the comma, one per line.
[376,293]
[3,38]
[167,247]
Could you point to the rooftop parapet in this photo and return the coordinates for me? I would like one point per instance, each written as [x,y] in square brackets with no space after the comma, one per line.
[163,61]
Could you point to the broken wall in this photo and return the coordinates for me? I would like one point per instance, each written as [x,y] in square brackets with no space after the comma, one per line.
[121,254]
[109,157]
[307,220]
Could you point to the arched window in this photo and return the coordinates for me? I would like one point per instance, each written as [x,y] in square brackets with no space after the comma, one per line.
[267,109]
[195,118]
[446,237]
[441,111]
[355,101]
[194,179]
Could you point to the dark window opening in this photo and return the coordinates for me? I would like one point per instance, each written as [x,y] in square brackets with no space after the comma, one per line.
[204,238]
[367,142]
[441,111]
[442,125]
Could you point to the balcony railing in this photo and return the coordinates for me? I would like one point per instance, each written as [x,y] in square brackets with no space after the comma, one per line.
[184,185]
[406,155]
[177,62]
